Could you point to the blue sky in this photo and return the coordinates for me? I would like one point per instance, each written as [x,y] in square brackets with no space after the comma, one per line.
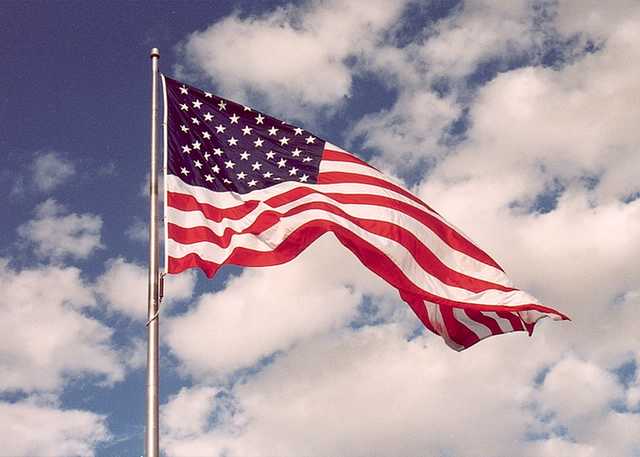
[517,120]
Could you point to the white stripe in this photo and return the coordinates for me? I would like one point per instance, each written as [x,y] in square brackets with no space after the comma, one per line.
[435,317]
[504,324]
[455,260]
[226,200]
[328,166]
[397,253]
[480,330]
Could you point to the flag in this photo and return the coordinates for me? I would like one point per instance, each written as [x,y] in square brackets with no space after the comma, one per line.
[247,189]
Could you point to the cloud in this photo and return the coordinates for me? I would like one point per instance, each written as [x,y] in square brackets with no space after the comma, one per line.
[57,234]
[543,178]
[367,392]
[123,286]
[46,335]
[263,311]
[293,54]
[30,428]
[138,231]
[192,403]
[49,170]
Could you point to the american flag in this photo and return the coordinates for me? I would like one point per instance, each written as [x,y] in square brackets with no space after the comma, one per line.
[247,189]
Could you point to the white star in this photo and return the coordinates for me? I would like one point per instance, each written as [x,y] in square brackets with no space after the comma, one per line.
[268,174]
[206,135]
[198,164]
[195,120]
[246,130]
[296,152]
[196,145]
[184,107]
[206,156]
[217,152]
[196,104]
[293,171]
[246,108]
[220,128]
[304,178]
[184,128]
[271,155]
[222,105]
[209,178]
[216,169]
[229,164]
[298,131]
[282,163]
[307,159]
[186,149]
[241,175]
[284,140]
[208,117]
[226,181]
[273,131]
[252,183]
[183,90]
[184,171]
[259,119]
[208,94]
[256,165]
[234,118]
[310,139]
[244,156]
[232,141]
[258,142]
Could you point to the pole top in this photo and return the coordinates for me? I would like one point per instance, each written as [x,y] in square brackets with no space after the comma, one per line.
[155,52]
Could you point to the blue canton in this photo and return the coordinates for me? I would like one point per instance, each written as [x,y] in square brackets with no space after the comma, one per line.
[224,146]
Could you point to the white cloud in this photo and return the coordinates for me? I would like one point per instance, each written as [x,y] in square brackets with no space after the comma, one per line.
[373,392]
[45,335]
[49,170]
[192,403]
[267,310]
[29,429]
[293,55]
[416,123]
[57,234]
[123,286]
[334,390]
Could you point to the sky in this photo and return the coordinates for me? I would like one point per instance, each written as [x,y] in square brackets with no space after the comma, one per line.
[516,119]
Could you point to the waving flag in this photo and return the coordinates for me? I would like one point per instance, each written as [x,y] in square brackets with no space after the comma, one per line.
[247,189]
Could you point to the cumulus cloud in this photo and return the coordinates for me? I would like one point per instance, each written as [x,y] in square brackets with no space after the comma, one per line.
[49,170]
[45,333]
[370,391]
[123,286]
[543,178]
[57,234]
[292,55]
[30,428]
[263,311]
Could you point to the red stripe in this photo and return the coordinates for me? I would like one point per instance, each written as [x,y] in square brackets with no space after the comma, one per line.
[339,177]
[186,202]
[369,255]
[456,330]
[338,156]
[484,320]
[515,320]
[447,234]
[421,254]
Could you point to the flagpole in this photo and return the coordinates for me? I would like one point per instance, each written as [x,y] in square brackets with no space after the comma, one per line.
[152,433]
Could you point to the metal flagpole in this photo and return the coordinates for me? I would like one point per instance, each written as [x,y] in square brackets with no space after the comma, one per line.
[152,433]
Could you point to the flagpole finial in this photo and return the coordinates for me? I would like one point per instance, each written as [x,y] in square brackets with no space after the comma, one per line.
[155,52]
